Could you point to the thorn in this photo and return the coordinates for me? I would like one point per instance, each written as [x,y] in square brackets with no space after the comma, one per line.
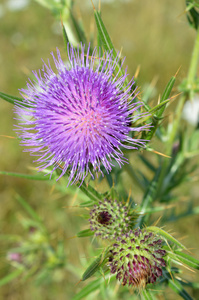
[175,96]
[159,153]
[10,137]
[159,99]
[73,237]
[129,196]
[78,282]
[183,13]
[120,54]
[171,275]
[177,71]
[71,206]
[52,189]
[137,71]
[93,5]
[62,24]
[158,220]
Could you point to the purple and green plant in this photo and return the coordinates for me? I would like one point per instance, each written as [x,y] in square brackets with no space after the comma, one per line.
[82,119]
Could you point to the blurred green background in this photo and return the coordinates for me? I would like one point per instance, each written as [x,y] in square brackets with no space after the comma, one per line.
[153,34]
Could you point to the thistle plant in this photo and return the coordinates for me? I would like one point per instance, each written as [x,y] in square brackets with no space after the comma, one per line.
[91,127]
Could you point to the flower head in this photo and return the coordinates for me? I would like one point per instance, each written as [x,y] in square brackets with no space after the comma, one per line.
[80,116]
[137,258]
[110,218]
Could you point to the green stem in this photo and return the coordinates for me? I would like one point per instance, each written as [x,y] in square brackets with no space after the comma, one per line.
[190,86]
[194,64]
[192,72]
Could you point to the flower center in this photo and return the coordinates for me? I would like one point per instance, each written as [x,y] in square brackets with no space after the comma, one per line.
[89,120]
[104,217]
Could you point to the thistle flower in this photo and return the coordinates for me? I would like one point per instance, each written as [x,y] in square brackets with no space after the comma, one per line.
[137,258]
[110,218]
[80,116]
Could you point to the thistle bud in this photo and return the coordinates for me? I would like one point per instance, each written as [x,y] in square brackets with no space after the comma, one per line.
[137,258]
[110,218]
[14,257]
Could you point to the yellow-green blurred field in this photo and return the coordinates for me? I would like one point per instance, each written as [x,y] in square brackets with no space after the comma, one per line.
[153,34]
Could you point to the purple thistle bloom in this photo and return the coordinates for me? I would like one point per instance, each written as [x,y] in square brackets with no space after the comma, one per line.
[80,116]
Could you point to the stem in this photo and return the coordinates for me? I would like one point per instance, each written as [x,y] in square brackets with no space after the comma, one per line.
[148,199]
[190,86]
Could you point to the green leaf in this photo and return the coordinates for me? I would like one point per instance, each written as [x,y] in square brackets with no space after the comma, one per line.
[158,116]
[31,177]
[166,235]
[28,208]
[79,30]
[11,276]
[192,14]
[85,233]
[26,249]
[129,169]
[94,267]
[187,259]
[104,36]
[91,192]
[177,287]
[87,204]
[147,163]
[10,237]
[105,39]
[166,95]
[148,198]
[65,37]
[91,287]
[147,295]
[152,111]
[13,100]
